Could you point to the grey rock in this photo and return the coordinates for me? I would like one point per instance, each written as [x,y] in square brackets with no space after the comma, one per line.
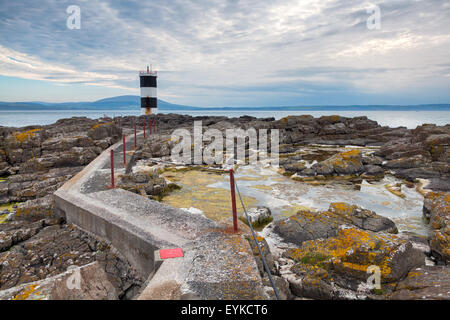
[424,283]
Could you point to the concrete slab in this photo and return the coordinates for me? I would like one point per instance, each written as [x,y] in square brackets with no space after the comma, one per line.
[218,265]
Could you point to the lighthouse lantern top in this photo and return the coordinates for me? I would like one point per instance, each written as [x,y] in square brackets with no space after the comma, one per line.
[148,72]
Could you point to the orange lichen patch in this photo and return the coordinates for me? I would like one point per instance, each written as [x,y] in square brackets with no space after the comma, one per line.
[286,119]
[447,199]
[395,189]
[414,273]
[352,252]
[30,290]
[347,156]
[23,136]
[241,277]
[101,124]
[342,208]
[332,118]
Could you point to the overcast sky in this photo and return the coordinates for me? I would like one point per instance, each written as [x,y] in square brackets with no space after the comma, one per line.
[228,52]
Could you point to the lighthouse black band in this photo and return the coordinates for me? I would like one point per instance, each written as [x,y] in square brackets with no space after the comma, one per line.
[149,102]
[148,81]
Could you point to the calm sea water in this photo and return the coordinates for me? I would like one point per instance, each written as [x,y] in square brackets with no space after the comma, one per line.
[409,119]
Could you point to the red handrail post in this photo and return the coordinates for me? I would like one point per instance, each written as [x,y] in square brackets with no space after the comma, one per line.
[135,139]
[233,200]
[150,126]
[112,169]
[124,150]
[157,124]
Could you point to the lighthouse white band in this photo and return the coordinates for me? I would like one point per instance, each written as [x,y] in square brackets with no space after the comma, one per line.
[148,92]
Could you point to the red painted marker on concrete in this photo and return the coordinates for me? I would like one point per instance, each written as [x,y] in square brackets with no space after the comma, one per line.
[171,253]
[233,200]
[124,150]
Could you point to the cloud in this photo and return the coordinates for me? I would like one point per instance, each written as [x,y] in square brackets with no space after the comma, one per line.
[234,52]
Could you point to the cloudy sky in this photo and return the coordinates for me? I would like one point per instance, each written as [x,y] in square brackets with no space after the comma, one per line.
[228,52]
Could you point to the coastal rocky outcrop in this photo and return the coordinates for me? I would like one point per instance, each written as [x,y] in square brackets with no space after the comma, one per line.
[318,255]
[409,154]
[327,254]
[307,225]
[37,245]
[337,267]
[35,161]
[422,153]
[348,165]
[332,254]
[437,211]
[335,130]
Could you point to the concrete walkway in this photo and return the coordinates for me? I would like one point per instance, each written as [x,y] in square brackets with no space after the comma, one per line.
[217,264]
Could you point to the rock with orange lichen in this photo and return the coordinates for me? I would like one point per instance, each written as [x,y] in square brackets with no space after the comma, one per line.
[39,159]
[348,162]
[437,209]
[423,153]
[146,184]
[337,267]
[409,162]
[308,225]
[37,209]
[104,130]
[265,249]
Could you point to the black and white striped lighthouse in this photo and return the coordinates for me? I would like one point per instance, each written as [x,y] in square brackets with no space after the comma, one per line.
[149,102]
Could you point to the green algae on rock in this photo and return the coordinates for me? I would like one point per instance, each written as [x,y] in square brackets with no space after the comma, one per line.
[196,192]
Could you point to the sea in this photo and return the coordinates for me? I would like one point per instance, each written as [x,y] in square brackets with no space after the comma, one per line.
[409,119]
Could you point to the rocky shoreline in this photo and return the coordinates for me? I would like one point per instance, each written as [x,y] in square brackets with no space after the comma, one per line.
[314,255]
[34,244]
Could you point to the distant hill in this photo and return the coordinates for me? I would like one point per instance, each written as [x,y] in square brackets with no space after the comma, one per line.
[131,102]
[120,102]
